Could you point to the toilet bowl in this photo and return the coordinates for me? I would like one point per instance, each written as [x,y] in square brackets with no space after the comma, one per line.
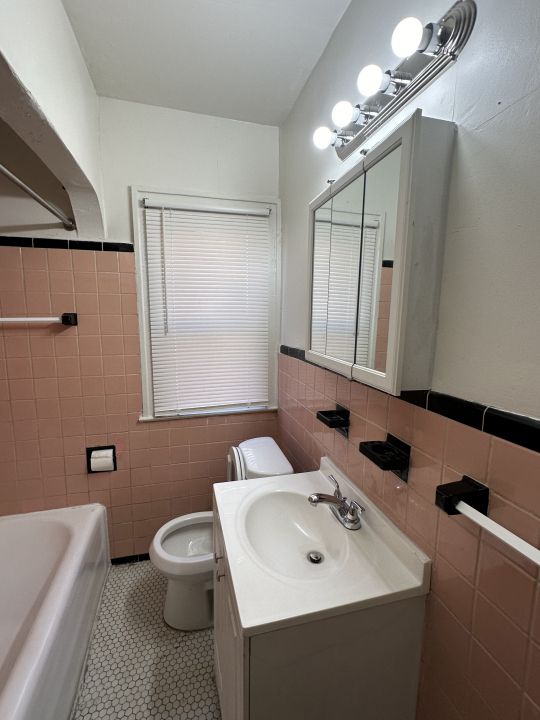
[182,549]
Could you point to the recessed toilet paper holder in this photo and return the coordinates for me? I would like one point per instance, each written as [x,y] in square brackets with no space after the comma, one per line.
[99,449]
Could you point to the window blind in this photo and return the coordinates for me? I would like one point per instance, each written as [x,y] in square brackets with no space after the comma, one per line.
[210,276]
[343,290]
[319,295]
[367,303]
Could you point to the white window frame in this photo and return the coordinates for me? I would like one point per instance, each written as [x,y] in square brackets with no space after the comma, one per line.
[171,198]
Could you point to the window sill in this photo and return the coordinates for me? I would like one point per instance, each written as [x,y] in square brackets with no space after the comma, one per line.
[209,413]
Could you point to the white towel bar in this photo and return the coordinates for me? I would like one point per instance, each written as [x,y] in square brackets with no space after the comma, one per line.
[470,498]
[498,531]
[64,319]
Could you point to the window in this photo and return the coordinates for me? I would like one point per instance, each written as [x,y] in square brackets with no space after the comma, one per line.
[208,305]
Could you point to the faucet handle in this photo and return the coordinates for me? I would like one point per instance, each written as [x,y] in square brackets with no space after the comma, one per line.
[337,490]
[354,509]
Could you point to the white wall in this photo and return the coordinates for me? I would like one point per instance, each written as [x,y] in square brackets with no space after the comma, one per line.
[162,149]
[37,40]
[37,43]
[488,341]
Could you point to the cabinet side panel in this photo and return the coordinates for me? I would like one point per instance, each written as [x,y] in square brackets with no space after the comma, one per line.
[365,664]
[432,162]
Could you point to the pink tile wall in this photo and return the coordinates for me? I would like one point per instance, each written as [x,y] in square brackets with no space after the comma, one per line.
[481,658]
[63,389]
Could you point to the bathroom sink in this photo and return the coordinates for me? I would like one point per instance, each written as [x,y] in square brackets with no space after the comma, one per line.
[292,538]
[289,559]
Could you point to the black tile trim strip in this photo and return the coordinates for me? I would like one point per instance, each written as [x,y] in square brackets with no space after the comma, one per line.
[293,352]
[415,397]
[463,411]
[50,243]
[118,247]
[518,429]
[130,559]
[60,244]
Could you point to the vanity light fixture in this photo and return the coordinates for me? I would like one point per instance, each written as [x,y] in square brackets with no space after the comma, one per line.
[345,114]
[425,52]
[323,137]
[407,37]
[371,80]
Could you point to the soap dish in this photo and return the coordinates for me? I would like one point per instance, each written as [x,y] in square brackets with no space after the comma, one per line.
[391,454]
[337,419]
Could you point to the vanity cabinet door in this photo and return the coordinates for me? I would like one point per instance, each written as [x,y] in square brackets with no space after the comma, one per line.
[228,641]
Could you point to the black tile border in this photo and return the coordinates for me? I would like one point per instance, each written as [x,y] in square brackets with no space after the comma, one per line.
[293,352]
[118,247]
[8,241]
[415,397]
[518,429]
[463,411]
[61,244]
[130,559]
[51,243]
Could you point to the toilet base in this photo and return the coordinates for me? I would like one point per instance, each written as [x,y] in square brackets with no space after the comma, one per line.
[189,606]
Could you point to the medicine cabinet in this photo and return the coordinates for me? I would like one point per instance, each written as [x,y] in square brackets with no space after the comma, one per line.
[376,242]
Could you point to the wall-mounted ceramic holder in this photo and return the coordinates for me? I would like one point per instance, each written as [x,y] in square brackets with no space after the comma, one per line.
[101,458]
[69,319]
[337,419]
[391,454]
[470,491]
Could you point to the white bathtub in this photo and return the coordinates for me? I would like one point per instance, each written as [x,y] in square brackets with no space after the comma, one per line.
[53,566]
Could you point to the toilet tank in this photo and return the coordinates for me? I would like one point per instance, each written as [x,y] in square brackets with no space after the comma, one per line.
[255,458]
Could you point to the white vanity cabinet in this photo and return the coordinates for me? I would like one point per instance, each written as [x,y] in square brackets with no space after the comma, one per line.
[230,647]
[361,664]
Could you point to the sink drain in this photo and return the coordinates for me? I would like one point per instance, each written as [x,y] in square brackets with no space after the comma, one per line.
[315,557]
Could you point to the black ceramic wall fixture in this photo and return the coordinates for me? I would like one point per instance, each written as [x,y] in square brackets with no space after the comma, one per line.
[337,419]
[90,450]
[470,491]
[391,454]
[69,319]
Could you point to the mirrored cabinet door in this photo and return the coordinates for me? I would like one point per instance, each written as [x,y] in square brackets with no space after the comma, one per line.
[337,240]
[322,225]
[345,246]
[377,260]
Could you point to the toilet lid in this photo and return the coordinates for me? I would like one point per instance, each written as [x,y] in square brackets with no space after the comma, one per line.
[263,458]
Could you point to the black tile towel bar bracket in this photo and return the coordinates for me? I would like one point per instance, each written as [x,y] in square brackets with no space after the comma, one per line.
[69,319]
[391,454]
[466,490]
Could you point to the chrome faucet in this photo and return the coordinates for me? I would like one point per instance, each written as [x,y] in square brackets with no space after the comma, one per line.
[346,511]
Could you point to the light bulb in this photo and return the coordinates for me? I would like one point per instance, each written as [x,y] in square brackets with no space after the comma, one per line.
[370,79]
[407,37]
[323,137]
[343,113]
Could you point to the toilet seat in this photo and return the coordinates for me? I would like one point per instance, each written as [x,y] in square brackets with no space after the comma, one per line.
[181,560]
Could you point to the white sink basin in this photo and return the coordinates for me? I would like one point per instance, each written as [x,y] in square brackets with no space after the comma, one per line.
[269,528]
[282,528]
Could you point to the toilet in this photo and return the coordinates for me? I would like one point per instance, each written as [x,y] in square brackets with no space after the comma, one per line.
[182,549]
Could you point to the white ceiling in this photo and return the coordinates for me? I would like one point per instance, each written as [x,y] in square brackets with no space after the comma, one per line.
[241,59]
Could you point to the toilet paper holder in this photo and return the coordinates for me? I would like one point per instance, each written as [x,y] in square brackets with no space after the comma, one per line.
[90,450]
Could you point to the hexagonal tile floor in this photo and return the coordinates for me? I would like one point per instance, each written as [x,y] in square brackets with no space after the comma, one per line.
[140,668]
